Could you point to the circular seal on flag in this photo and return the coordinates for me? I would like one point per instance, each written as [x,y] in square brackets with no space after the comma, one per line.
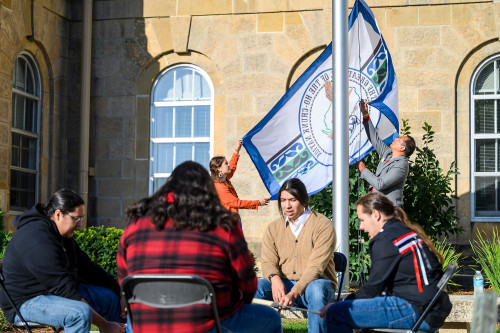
[315,116]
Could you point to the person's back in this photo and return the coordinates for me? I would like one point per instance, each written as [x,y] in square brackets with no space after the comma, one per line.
[184,229]
[211,255]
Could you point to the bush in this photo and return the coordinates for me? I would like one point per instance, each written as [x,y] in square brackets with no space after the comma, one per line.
[428,200]
[101,245]
[2,219]
[359,258]
[428,196]
[5,237]
[450,256]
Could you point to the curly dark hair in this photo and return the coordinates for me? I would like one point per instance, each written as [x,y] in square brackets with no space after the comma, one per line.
[189,198]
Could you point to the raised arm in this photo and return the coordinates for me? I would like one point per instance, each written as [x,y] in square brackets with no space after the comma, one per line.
[371,133]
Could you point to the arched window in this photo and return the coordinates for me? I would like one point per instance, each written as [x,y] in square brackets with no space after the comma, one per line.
[24,169]
[485,141]
[181,121]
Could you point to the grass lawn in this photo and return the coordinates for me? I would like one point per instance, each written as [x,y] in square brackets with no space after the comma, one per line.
[294,325]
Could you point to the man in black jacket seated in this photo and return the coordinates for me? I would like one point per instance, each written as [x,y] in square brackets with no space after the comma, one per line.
[51,280]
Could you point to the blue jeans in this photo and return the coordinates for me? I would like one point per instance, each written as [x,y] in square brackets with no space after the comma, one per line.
[384,311]
[249,318]
[318,293]
[74,316]
[252,318]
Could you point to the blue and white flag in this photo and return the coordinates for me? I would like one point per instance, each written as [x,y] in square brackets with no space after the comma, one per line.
[294,140]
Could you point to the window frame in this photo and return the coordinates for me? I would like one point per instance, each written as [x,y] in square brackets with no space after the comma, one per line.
[158,140]
[37,97]
[495,217]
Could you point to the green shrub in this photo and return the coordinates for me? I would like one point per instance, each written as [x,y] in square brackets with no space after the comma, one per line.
[488,256]
[101,245]
[5,237]
[359,258]
[2,219]
[450,256]
[428,195]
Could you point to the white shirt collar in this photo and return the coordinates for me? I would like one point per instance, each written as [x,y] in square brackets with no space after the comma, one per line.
[299,222]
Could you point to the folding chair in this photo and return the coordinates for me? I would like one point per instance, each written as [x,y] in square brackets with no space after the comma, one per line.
[168,291]
[340,261]
[448,273]
[28,325]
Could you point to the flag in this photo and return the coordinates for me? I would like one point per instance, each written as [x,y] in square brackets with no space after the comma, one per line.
[294,140]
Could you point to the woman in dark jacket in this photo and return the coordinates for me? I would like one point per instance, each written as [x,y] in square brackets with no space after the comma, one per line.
[403,278]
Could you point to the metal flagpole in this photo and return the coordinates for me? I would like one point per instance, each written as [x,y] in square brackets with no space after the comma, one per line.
[340,184]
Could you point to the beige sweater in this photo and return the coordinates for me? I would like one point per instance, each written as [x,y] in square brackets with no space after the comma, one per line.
[302,259]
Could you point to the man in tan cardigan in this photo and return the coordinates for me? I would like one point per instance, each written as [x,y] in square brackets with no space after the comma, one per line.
[297,255]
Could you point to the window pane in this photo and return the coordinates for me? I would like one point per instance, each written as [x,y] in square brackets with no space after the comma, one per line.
[30,80]
[20,73]
[31,116]
[165,158]
[23,151]
[485,81]
[484,113]
[485,155]
[183,152]
[18,116]
[164,90]
[202,153]
[183,121]
[486,193]
[184,84]
[201,88]
[22,190]
[158,182]
[163,122]
[201,121]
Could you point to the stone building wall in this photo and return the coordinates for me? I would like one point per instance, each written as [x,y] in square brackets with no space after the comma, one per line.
[45,36]
[253,51]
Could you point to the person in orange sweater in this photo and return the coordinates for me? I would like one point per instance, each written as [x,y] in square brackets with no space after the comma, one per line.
[221,171]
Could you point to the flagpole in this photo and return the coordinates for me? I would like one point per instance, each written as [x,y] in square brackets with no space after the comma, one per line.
[340,184]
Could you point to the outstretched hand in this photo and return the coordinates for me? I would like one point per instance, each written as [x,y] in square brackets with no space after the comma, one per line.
[263,201]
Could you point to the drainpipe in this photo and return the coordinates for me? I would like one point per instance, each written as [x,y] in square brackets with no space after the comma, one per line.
[83,176]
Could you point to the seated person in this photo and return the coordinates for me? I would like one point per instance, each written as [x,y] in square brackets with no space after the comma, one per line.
[51,280]
[297,255]
[184,229]
[403,278]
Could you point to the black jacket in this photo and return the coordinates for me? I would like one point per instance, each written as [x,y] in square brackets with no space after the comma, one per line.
[394,252]
[39,261]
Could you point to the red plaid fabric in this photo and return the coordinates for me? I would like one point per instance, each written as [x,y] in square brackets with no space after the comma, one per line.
[219,256]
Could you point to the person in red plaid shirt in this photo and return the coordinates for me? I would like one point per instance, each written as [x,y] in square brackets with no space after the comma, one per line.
[183,229]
